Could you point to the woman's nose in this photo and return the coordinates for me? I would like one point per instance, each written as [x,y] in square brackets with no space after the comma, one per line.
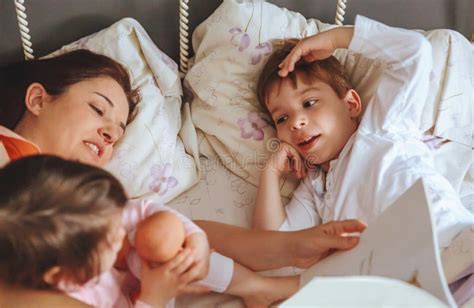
[108,134]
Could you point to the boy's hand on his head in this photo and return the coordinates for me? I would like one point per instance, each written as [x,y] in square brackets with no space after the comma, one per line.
[312,48]
[286,160]
[199,244]
[317,47]
[162,283]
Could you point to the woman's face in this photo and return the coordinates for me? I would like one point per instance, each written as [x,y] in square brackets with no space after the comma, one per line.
[83,123]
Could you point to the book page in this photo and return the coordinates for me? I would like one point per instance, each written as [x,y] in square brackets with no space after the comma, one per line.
[400,244]
[361,292]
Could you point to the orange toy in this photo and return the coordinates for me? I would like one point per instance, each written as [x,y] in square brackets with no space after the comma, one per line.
[159,237]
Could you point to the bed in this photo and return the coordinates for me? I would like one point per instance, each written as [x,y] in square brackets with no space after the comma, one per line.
[201,152]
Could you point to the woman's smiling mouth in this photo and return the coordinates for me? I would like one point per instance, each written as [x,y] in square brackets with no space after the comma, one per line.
[94,148]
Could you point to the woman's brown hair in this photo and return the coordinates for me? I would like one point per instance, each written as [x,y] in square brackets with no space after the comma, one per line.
[329,71]
[56,75]
[54,212]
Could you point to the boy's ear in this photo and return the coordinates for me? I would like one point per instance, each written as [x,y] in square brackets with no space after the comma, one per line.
[53,276]
[354,103]
[35,98]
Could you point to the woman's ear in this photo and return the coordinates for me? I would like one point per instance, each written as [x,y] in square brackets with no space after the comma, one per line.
[53,276]
[354,103]
[35,98]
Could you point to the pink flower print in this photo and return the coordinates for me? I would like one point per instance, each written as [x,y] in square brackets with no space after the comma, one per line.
[162,179]
[263,49]
[252,127]
[239,38]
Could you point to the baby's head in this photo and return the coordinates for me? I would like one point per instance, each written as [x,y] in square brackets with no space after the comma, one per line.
[314,108]
[60,222]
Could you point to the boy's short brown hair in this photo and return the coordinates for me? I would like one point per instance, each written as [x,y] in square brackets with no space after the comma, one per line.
[329,71]
[54,212]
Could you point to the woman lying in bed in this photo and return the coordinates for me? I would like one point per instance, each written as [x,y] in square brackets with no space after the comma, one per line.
[60,108]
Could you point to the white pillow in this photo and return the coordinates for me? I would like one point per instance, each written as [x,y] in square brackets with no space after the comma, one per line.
[150,159]
[231,47]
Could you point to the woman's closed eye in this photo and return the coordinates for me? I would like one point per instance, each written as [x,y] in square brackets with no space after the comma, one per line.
[309,103]
[97,110]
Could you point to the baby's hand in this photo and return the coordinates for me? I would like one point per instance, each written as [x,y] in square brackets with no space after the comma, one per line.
[286,160]
[162,283]
[197,242]
[317,47]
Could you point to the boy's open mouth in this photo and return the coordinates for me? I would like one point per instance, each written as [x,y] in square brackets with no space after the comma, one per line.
[308,142]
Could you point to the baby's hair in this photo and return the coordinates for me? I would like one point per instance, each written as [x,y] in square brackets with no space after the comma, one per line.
[329,71]
[54,212]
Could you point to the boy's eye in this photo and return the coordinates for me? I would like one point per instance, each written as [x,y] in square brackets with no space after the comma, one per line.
[97,110]
[309,103]
[281,119]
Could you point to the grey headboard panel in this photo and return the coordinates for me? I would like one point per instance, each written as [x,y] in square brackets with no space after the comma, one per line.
[54,23]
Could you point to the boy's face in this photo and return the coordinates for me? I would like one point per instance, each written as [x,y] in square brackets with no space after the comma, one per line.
[312,118]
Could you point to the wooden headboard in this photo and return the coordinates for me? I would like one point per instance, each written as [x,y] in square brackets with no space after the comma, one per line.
[53,23]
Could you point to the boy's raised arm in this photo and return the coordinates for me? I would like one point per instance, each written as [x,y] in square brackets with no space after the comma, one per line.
[402,89]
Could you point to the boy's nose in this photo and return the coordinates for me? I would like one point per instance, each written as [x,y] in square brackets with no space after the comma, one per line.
[298,124]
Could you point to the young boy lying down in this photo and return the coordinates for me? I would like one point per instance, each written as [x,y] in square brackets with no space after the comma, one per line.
[353,167]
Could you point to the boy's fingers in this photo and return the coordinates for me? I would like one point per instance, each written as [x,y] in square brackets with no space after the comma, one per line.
[309,58]
[288,65]
[294,56]
[298,166]
[302,168]
[282,72]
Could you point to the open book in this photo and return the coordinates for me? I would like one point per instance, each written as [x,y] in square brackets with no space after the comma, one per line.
[401,244]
